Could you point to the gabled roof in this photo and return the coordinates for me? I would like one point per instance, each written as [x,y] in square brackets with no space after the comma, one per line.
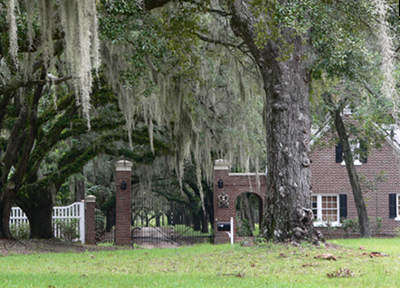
[391,133]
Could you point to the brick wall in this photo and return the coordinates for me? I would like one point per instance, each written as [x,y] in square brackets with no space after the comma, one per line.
[123,206]
[233,186]
[329,177]
[90,220]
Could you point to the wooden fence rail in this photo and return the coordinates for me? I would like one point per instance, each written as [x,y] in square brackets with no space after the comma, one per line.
[68,221]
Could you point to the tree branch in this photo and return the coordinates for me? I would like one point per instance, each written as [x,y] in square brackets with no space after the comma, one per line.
[219,12]
[16,84]
[152,4]
[216,41]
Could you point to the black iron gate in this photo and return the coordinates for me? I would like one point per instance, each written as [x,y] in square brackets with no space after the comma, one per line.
[158,222]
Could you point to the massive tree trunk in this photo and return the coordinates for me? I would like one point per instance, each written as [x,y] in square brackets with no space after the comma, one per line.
[38,208]
[40,221]
[286,84]
[5,209]
[352,173]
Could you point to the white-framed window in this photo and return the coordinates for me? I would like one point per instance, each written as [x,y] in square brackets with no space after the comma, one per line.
[397,207]
[326,209]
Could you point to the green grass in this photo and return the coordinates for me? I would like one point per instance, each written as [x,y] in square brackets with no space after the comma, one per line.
[389,245]
[187,230]
[208,266]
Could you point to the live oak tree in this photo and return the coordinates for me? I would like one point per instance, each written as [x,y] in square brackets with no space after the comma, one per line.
[30,52]
[47,170]
[286,76]
[293,43]
[40,111]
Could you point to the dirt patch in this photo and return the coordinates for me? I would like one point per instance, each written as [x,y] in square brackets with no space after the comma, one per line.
[149,245]
[13,247]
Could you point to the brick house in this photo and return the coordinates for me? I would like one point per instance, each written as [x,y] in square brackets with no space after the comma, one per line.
[332,198]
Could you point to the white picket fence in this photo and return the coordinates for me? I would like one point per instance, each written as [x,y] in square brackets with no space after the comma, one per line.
[64,214]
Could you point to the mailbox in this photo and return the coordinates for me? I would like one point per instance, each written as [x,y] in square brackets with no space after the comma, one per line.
[223,226]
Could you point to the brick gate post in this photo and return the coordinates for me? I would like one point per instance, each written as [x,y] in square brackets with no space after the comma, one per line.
[90,220]
[123,203]
[224,207]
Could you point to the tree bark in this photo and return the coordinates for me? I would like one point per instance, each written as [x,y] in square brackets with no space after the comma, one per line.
[287,209]
[110,218]
[196,220]
[352,173]
[79,189]
[40,221]
[247,210]
[204,223]
[38,208]
[5,210]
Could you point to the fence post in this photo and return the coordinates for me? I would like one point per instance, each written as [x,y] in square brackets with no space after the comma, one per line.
[123,203]
[82,225]
[90,220]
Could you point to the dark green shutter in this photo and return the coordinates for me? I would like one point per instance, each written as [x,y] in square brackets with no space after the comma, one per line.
[339,153]
[392,206]
[343,205]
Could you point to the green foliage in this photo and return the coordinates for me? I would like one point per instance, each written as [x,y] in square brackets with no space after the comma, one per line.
[350,225]
[378,225]
[21,231]
[69,229]
[243,228]
[279,21]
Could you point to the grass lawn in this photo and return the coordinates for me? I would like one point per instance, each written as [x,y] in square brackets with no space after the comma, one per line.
[209,266]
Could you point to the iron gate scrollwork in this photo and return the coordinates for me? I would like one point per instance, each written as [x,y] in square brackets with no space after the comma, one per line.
[158,222]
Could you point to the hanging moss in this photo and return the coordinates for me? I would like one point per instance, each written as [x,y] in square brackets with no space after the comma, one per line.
[12,23]
[388,54]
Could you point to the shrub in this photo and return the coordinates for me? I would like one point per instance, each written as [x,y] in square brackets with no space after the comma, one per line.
[350,225]
[243,227]
[68,229]
[21,231]
[378,225]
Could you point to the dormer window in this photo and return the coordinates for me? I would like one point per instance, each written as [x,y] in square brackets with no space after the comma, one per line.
[347,111]
[359,150]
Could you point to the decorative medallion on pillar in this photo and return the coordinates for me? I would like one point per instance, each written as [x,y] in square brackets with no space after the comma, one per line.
[223,200]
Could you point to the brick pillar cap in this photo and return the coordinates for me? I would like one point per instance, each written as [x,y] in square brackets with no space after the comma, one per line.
[90,198]
[221,164]
[123,165]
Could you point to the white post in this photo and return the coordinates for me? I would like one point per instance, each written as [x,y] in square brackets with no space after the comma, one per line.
[82,221]
[230,234]
[232,240]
